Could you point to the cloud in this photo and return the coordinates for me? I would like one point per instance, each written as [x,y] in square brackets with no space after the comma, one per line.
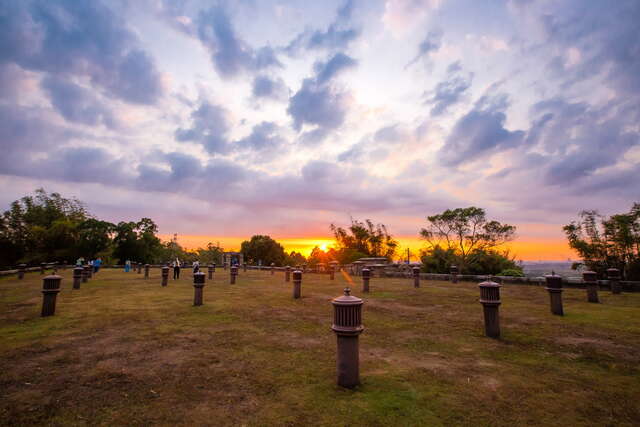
[231,55]
[450,91]
[401,16]
[83,39]
[210,126]
[429,45]
[264,136]
[265,87]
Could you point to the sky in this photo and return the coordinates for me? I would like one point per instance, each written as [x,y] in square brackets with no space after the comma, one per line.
[224,119]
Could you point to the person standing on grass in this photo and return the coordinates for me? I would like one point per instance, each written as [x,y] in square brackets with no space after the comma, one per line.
[127,266]
[96,264]
[176,269]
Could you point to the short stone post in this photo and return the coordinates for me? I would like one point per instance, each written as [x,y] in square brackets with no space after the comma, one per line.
[554,287]
[453,270]
[234,273]
[272,268]
[244,267]
[613,274]
[165,275]
[416,277]
[139,267]
[297,283]
[366,275]
[490,300]
[304,268]
[21,270]
[347,325]
[146,271]
[85,274]
[287,273]
[210,270]
[224,266]
[198,285]
[50,289]
[332,272]
[77,277]
[43,267]
[590,279]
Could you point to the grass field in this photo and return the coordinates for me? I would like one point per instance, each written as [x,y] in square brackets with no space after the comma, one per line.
[124,350]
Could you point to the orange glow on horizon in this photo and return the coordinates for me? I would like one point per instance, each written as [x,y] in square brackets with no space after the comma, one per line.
[527,250]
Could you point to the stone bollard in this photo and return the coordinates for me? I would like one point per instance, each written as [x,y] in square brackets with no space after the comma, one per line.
[50,289]
[453,270]
[234,273]
[85,274]
[272,268]
[139,265]
[198,285]
[613,274]
[21,270]
[554,287]
[146,271]
[490,300]
[224,266]
[43,267]
[77,277]
[332,272]
[591,280]
[210,270]
[347,325]
[244,267]
[287,273]
[90,271]
[165,275]
[366,275]
[304,268]
[416,277]
[297,283]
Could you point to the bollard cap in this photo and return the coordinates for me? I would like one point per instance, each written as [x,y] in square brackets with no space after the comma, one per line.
[198,278]
[347,299]
[613,273]
[366,272]
[165,269]
[416,271]
[453,269]
[589,276]
[489,284]
[347,314]
[297,275]
[51,282]
[553,281]
[288,268]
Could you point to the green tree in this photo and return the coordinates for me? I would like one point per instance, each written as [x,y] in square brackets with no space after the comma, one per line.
[609,242]
[294,258]
[263,249]
[137,241]
[467,233]
[367,238]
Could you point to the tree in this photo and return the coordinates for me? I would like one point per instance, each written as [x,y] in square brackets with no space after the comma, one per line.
[263,249]
[137,241]
[366,238]
[608,242]
[466,232]
[294,258]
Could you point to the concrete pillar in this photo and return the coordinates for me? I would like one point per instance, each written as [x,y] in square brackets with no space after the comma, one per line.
[554,287]
[85,274]
[139,267]
[244,267]
[165,275]
[77,277]
[590,279]
[287,273]
[272,268]
[297,284]
[347,325]
[366,276]
[416,277]
[224,266]
[490,300]
[198,285]
[613,274]
[210,270]
[146,271]
[50,289]
[43,267]
[234,274]
[332,272]
[21,270]
[453,270]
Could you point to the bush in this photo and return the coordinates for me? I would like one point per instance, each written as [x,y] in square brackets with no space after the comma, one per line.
[513,272]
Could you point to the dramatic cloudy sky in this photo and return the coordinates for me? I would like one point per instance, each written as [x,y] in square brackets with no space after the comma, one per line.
[225,119]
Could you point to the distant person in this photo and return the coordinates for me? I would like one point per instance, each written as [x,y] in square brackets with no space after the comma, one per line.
[80,261]
[176,269]
[196,266]
[96,264]
[127,266]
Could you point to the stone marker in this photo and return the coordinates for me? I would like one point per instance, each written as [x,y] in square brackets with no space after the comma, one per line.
[332,272]
[224,266]
[590,279]
[347,325]
[21,270]
[287,273]
[554,287]
[272,268]
[490,300]
[210,270]
[297,283]
[165,275]
[366,276]
[416,277]
[85,274]
[77,277]
[234,273]
[50,289]
[146,271]
[613,274]
[43,267]
[453,270]
[198,285]
[139,267]
[244,267]
[89,271]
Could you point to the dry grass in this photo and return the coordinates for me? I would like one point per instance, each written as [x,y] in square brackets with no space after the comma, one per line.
[123,350]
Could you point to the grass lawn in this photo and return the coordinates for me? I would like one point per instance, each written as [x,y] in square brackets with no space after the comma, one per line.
[124,350]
